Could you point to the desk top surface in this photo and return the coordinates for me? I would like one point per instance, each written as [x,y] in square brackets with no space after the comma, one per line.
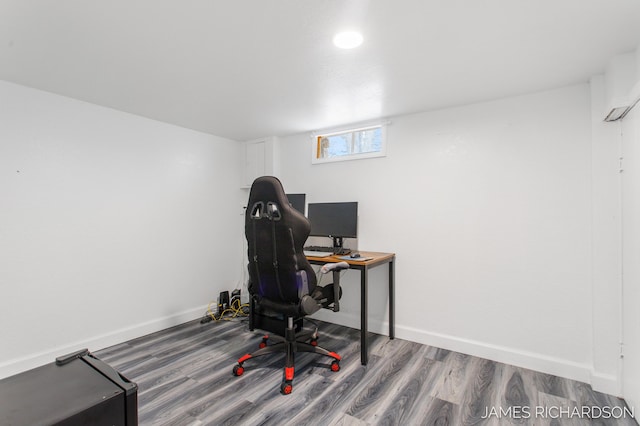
[375,258]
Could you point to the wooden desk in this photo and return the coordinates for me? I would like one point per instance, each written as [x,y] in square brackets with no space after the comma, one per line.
[364,266]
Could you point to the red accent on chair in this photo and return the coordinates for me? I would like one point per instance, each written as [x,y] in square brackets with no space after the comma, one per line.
[288,373]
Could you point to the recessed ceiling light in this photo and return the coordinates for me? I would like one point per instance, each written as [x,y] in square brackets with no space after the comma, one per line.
[348,39]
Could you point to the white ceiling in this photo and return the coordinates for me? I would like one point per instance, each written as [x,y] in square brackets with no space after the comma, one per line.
[244,69]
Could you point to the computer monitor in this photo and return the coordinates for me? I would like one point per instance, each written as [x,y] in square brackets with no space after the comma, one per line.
[297,201]
[335,220]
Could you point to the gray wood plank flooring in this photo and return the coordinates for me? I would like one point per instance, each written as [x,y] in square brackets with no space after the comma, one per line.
[184,378]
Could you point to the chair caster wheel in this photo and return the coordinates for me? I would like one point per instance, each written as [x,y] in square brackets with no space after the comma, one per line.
[263,344]
[238,370]
[286,388]
[314,342]
[335,366]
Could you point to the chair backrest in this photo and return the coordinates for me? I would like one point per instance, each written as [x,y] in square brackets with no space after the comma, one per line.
[276,234]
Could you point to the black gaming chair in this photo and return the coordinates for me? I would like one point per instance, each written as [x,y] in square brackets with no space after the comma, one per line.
[282,283]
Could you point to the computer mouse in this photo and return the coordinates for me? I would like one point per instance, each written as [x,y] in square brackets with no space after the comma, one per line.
[355,255]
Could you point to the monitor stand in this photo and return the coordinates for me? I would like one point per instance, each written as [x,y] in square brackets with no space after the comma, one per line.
[337,246]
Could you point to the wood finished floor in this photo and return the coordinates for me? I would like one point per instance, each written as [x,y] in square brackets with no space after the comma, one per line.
[184,378]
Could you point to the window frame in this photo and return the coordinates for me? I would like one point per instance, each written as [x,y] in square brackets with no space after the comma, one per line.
[315,144]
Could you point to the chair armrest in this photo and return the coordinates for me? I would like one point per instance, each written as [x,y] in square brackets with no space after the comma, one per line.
[327,267]
[337,292]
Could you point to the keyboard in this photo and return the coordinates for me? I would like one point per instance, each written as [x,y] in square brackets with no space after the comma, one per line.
[318,253]
[319,248]
[316,250]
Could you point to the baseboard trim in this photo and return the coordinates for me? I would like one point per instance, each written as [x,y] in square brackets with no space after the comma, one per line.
[17,365]
[605,383]
[349,320]
[551,365]
[525,359]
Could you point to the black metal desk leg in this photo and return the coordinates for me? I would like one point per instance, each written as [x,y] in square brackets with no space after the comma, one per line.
[392,300]
[364,315]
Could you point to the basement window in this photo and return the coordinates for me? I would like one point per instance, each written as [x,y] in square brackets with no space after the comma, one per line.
[352,144]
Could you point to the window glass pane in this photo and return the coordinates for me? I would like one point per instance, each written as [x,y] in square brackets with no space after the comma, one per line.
[336,145]
[350,143]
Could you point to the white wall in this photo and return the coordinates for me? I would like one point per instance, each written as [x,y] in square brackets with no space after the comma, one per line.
[607,243]
[631,255]
[111,226]
[489,209]
[503,216]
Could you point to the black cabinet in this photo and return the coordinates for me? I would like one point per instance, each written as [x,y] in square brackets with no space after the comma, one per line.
[81,390]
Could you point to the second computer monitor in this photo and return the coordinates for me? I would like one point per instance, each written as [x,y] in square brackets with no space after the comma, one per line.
[297,201]
[337,220]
